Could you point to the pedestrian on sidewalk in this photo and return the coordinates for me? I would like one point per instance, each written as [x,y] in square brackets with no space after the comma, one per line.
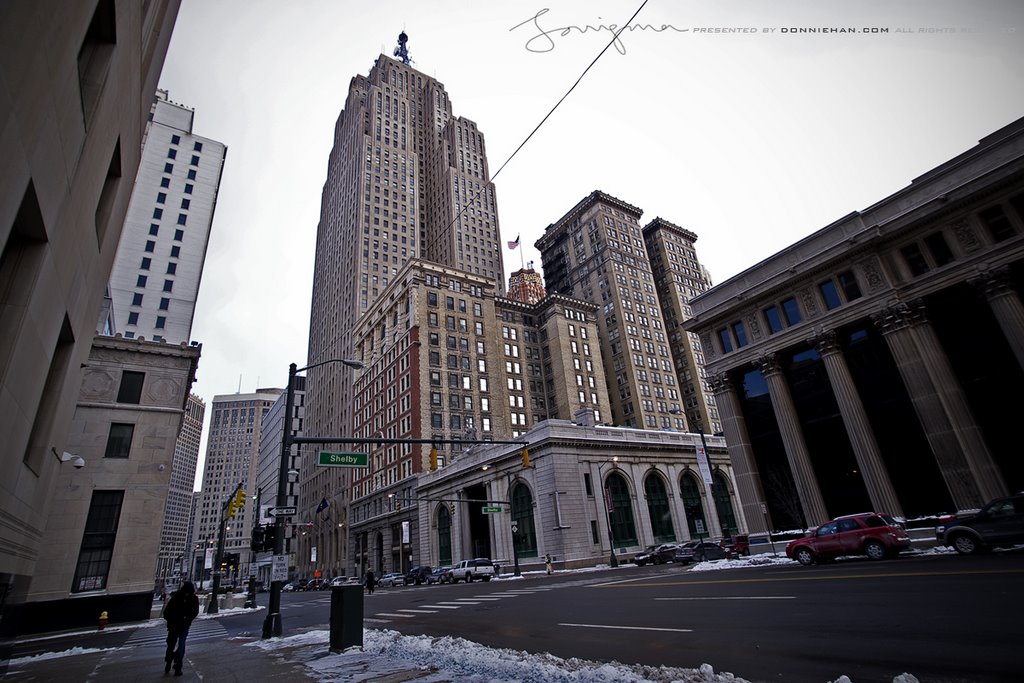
[371,581]
[547,564]
[181,609]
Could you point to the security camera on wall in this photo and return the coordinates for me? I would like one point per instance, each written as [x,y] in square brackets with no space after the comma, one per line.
[77,461]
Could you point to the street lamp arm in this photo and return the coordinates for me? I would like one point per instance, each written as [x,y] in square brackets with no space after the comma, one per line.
[357,364]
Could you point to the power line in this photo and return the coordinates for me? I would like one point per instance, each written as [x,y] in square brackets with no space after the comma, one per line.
[490,182]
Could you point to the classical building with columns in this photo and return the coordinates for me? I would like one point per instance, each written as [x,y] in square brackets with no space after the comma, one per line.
[589,491]
[872,364]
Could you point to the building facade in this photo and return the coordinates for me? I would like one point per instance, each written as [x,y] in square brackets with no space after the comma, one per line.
[175,535]
[79,79]
[102,535]
[678,277]
[232,455]
[268,474]
[589,491]
[405,179]
[867,366]
[159,264]
[597,252]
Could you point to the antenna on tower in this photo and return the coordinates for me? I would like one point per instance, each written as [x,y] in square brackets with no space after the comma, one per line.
[402,52]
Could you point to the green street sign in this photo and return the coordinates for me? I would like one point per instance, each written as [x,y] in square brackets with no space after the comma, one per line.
[490,511]
[329,459]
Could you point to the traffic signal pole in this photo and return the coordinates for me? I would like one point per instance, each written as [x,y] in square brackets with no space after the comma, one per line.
[212,607]
[272,624]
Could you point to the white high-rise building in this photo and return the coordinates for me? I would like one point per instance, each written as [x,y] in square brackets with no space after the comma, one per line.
[175,533]
[232,452]
[159,264]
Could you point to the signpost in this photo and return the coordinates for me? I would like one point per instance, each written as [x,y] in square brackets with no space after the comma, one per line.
[330,459]
[282,511]
[279,568]
[490,510]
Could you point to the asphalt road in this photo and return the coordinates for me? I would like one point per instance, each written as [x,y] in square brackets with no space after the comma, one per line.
[944,619]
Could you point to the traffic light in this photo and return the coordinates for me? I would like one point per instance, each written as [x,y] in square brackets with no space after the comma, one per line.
[258,536]
[269,536]
[236,503]
[451,509]
[526,458]
[433,458]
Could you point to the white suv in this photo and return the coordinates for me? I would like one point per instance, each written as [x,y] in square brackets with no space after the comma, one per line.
[467,570]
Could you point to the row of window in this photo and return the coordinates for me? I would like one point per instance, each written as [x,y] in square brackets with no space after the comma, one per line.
[834,292]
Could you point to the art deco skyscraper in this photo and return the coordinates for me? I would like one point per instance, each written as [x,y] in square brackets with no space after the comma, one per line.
[405,179]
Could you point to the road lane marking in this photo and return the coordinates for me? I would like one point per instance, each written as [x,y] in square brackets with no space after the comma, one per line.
[814,577]
[481,598]
[738,597]
[632,628]
[448,602]
[389,614]
[615,583]
[444,606]
[419,611]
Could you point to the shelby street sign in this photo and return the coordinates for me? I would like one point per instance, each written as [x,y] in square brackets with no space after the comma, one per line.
[490,510]
[329,459]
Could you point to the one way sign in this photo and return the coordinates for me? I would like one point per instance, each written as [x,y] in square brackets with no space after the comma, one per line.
[282,512]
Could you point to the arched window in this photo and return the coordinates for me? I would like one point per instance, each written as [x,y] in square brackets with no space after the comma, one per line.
[620,511]
[657,507]
[690,491]
[444,536]
[723,504]
[525,536]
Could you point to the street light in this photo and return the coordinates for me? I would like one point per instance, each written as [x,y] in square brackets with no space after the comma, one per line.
[272,624]
[613,561]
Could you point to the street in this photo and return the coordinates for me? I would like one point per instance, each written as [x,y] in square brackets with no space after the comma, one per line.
[940,617]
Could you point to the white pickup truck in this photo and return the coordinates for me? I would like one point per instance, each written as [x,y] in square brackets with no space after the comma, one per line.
[468,570]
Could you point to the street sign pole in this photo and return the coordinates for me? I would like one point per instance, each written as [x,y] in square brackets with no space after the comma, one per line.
[272,624]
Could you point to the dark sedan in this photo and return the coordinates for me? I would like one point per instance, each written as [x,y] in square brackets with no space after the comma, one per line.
[700,551]
[656,554]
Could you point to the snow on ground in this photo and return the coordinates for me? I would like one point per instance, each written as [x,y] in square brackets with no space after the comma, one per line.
[73,652]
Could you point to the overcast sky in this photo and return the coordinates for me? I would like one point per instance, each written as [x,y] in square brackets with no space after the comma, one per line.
[750,139]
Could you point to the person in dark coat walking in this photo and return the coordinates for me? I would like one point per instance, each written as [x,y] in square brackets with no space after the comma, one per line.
[181,609]
[371,581]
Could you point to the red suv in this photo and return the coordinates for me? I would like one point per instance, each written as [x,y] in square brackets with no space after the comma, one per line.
[868,533]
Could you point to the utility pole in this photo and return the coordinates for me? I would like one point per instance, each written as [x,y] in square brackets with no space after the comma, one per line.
[212,607]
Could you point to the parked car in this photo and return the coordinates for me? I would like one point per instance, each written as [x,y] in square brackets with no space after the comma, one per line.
[468,570]
[302,584]
[288,587]
[417,575]
[873,534]
[699,551]
[316,585]
[392,579]
[737,545]
[343,581]
[440,575]
[656,554]
[999,523]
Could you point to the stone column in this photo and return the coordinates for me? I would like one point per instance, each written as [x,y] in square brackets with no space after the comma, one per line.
[858,429]
[749,493]
[793,439]
[997,287]
[963,457]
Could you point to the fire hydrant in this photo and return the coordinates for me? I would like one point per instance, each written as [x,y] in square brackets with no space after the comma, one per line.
[103,621]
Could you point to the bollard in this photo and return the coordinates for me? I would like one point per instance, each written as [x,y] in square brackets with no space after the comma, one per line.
[103,621]
[346,617]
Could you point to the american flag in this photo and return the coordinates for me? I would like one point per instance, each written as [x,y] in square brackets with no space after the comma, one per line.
[514,243]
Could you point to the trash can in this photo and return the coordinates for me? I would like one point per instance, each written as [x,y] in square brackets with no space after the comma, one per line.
[346,617]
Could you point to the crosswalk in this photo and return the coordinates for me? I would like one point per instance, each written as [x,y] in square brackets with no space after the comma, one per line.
[202,629]
[441,605]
